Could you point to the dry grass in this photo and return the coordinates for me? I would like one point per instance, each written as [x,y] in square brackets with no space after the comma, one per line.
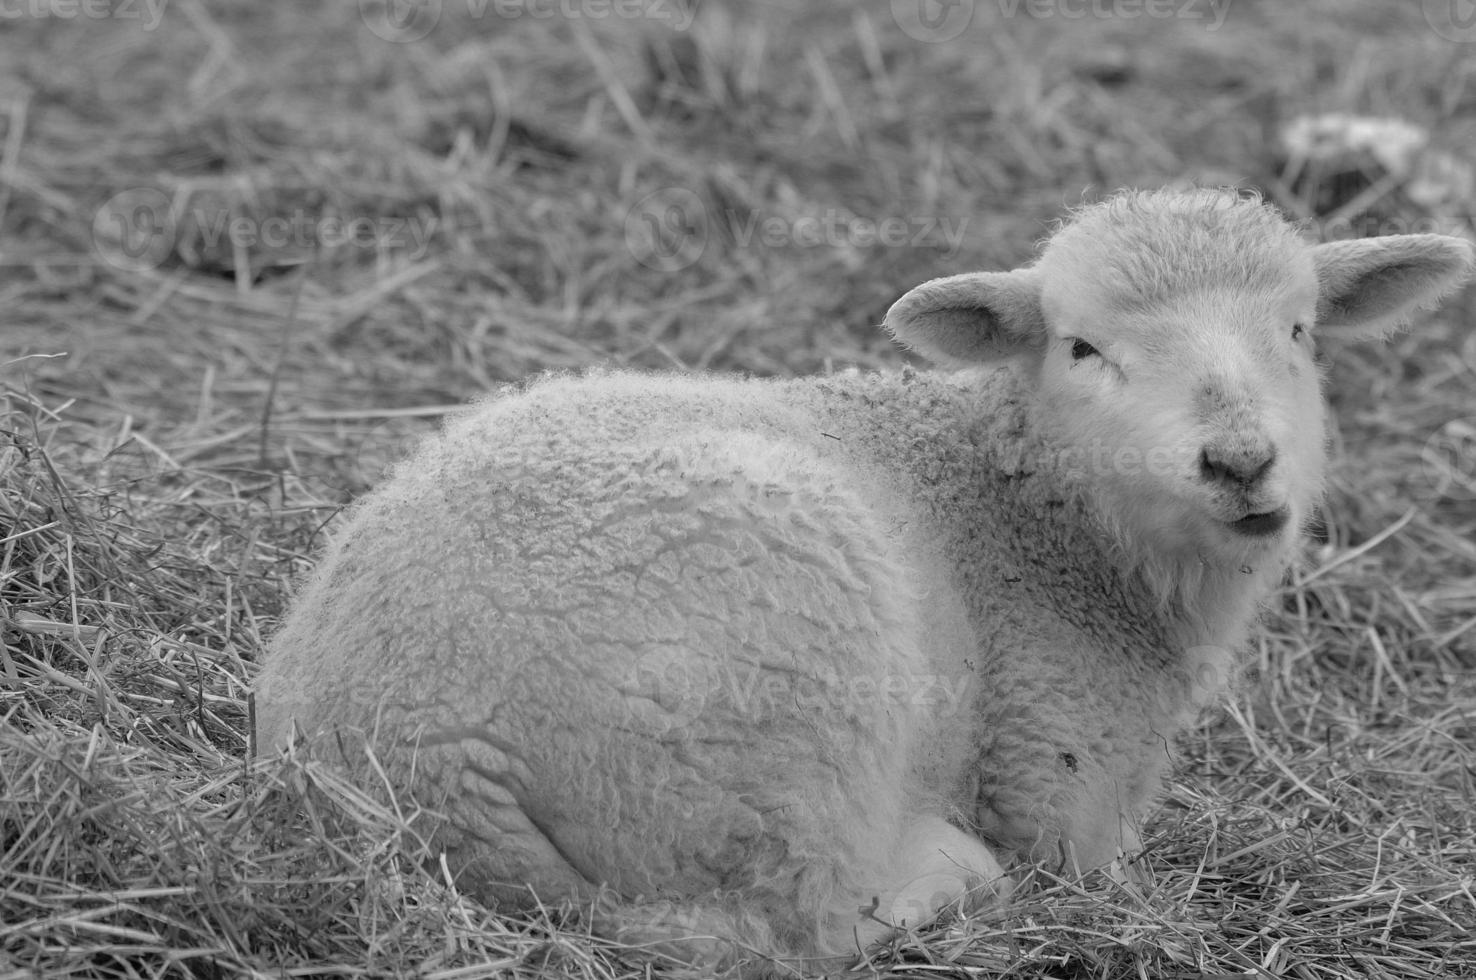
[173,438]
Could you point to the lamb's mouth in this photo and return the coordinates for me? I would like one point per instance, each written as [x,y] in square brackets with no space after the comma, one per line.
[1261,525]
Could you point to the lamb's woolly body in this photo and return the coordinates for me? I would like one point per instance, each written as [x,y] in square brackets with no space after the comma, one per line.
[736,657]
[787,513]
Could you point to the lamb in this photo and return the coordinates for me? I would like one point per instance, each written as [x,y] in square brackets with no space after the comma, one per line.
[765,668]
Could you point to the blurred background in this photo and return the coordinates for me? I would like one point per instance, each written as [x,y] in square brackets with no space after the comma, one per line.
[400,203]
[250,251]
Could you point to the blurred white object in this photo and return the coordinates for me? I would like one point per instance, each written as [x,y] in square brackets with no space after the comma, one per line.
[1429,177]
[1338,136]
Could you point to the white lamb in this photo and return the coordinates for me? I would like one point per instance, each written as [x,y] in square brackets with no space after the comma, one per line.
[784,663]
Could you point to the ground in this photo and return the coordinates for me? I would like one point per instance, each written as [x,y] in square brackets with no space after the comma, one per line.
[249,252]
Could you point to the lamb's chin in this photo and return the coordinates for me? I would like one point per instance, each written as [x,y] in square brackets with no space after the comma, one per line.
[1189,543]
[1253,543]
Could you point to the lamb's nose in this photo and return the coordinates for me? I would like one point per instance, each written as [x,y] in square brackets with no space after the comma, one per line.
[1240,466]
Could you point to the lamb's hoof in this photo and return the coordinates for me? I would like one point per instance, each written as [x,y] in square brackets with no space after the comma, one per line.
[949,868]
[927,895]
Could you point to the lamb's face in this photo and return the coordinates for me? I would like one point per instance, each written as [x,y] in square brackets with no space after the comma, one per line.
[1172,338]
[1201,415]
[1191,397]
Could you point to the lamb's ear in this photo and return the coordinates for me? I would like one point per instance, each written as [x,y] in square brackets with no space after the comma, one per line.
[973,318]
[1368,287]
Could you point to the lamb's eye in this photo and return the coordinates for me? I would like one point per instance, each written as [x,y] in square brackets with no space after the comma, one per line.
[1081,349]
[1297,331]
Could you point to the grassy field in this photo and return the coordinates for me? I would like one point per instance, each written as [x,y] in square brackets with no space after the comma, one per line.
[249,251]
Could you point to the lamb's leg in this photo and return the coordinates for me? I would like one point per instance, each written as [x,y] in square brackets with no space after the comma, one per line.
[936,865]
[940,865]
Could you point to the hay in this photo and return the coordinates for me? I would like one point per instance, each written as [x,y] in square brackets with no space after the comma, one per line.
[182,415]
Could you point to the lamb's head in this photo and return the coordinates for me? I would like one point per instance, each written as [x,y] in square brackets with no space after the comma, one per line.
[1171,337]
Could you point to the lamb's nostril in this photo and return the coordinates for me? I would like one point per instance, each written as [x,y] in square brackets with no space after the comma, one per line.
[1210,470]
[1243,467]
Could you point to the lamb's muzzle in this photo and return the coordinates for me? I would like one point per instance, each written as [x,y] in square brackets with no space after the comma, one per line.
[1240,466]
